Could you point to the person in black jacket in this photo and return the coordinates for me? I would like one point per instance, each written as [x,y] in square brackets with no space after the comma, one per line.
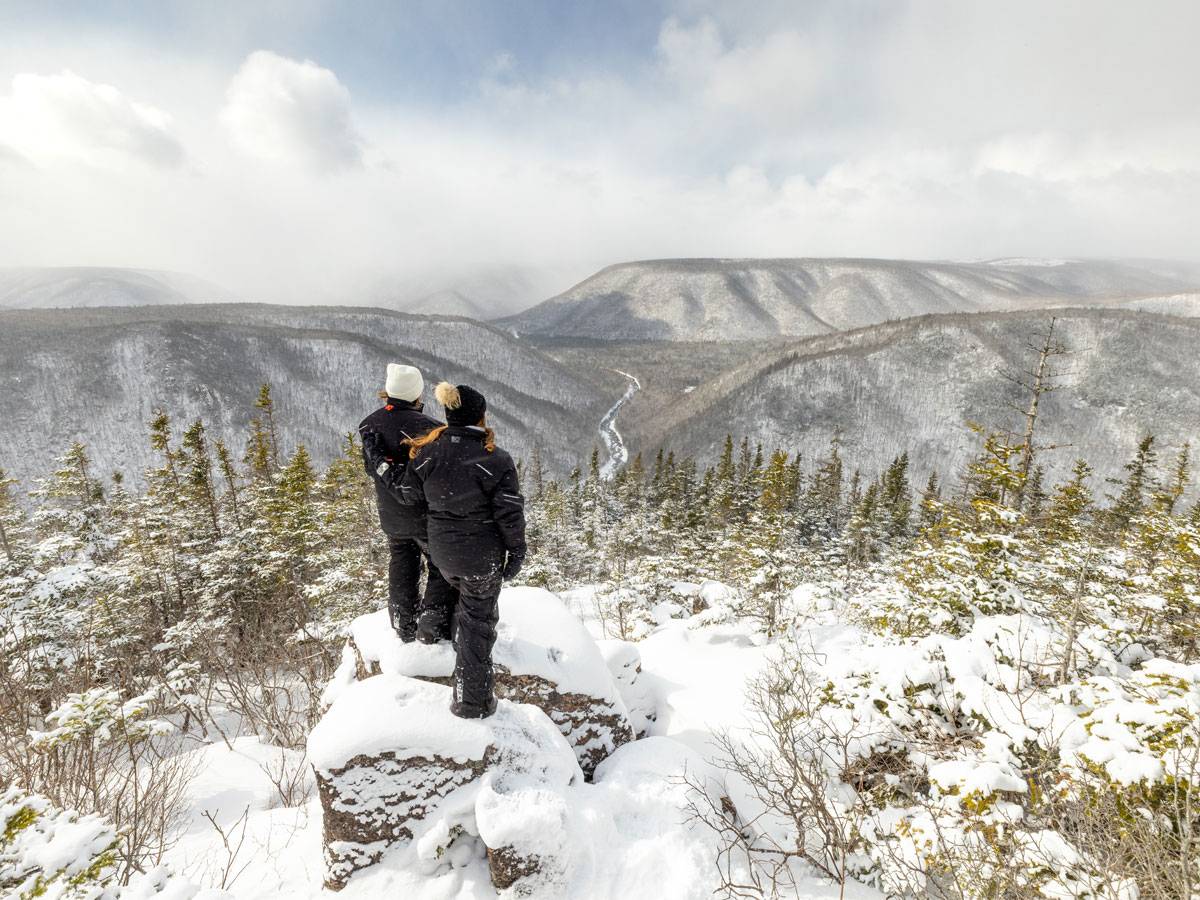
[385,435]
[476,517]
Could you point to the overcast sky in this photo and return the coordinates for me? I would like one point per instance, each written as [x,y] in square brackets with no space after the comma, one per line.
[297,149]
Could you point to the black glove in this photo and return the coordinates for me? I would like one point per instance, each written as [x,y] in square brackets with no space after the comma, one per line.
[375,452]
[513,565]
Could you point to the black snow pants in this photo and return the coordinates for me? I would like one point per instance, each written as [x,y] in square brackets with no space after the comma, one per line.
[427,618]
[475,620]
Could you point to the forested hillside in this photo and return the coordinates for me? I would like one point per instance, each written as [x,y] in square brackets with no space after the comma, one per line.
[919,384]
[114,368]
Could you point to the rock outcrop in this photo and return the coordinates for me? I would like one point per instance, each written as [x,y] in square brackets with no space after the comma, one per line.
[543,656]
[392,765]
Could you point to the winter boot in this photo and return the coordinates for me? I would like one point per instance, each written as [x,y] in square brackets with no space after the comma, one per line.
[405,627]
[473,692]
[433,626]
[473,712]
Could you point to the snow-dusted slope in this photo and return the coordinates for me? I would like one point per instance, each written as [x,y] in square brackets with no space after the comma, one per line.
[915,385]
[82,286]
[746,299]
[97,376]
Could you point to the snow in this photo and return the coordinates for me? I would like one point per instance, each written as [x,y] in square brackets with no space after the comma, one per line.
[699,679]
[392,712]
[635,812]
[536,635]
[694,676]
[625,664]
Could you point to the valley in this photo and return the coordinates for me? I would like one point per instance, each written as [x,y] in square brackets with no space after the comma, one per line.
[913,383]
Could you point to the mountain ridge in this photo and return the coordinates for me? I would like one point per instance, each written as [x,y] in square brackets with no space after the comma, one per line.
[88,287]
[755,299]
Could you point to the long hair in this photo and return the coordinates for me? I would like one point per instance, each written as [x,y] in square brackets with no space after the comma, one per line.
[417,444]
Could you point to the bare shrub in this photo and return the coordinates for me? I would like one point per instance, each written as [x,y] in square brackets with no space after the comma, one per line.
[135,777]
[232,838]
[791,765]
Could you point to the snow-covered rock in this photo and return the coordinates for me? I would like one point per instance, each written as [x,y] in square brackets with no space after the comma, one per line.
[625,665]
[392,764]
[543,656]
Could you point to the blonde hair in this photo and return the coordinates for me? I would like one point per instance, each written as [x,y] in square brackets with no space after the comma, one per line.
[416,445]
[447,395]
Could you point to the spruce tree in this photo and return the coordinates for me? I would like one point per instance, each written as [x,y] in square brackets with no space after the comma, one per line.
[776,486]
[864,530]
[1065,519]
[199,490]
[1138,485]
[266,406]
[1177,486]
[931,505]
[823,502]
[895,498]
[1034,495]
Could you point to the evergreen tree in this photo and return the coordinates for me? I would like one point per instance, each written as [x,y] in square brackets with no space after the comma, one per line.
[724,493]
[931,504]
[266,406]
[855,493]
[537,474]
[865,530]
[1072,501]
[262,447]
[75,507]
[1176,487]
[1034,495]
[1138,485]
[823,502]
[776,496]
[232,494]
[198,489]
[895,499]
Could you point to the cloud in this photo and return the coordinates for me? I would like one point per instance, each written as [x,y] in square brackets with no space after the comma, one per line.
[777,75]
[49,118]
[284,110]
[926,130]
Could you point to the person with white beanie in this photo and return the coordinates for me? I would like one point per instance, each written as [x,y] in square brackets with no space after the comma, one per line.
[386,436]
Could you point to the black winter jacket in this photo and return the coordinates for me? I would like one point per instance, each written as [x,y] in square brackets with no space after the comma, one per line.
[476,511]
[397,421]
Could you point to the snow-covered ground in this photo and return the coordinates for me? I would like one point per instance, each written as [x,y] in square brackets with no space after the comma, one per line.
[639,842]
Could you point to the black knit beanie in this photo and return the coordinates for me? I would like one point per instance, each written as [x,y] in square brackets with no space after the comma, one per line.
[464,405]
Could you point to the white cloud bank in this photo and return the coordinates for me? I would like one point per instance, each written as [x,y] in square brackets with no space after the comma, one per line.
[46,118]
[290,111]
[736,135]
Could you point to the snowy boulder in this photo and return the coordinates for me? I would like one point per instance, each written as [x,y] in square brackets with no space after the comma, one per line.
[625,665]
[543,656]
[626,834]
[392,763]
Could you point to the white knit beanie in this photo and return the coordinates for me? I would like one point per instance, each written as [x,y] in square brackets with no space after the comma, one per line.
[404,382]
